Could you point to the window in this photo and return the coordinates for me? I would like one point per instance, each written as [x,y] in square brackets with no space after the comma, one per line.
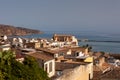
[56,55]
[59,73]
[50,67]
[77,54]
[61,54]
[46,67]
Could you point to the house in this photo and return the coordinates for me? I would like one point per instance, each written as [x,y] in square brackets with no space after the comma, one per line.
[17,42]
[33,45]
[27,51]
[5,47]
[61,53]
[19,57]
[66,58]
[4,37]
[71,70]
[44,43]
[77,51]
[88,60]
[81,55]
[45,61]
[57,53]
[101,63]
[112,75]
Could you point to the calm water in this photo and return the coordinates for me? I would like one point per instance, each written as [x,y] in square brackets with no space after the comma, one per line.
[103,46]
[112,47]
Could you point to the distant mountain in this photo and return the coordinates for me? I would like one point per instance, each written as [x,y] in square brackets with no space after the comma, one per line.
[12,30]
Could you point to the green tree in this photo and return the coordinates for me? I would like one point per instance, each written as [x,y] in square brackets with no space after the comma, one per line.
[5,63]
[37,72]
[10,69]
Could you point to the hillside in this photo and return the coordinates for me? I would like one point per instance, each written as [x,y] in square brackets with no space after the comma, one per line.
[12,30]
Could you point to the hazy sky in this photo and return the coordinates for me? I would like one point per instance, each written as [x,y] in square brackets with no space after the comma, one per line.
[66,15]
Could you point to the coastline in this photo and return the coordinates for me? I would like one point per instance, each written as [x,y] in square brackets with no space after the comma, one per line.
[98,43]
[86,40]
[116,56]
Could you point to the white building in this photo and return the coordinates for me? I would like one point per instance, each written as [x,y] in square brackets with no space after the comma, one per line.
[46,62]
[5,47]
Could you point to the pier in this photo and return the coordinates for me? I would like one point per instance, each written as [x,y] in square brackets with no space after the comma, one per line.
[87,40]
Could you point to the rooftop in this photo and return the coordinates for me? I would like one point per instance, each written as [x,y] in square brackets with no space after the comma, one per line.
[28,49]
[69,64]
[18,55]
[56,50]
[41,55]
[64,49]
[77,49]
[46,50]
[62,35]
[111,75]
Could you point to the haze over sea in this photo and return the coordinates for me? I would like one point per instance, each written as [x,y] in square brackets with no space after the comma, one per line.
[106,42]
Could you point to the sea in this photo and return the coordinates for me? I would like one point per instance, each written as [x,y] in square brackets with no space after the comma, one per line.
[105,42]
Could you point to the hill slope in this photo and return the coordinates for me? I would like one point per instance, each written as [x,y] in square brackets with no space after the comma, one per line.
[12,30]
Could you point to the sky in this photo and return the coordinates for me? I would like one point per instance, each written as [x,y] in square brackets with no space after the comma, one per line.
[62,15]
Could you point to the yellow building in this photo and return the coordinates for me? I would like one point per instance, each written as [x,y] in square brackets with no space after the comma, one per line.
[89,59]
[74,71]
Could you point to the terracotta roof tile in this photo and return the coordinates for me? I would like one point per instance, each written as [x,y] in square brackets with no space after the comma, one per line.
[41,55]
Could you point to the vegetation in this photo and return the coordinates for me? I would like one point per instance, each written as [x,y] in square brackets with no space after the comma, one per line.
[10,69]
[12,30]
[87,46]
[102,53]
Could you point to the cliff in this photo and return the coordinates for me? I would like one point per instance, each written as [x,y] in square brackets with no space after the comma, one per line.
[12,30]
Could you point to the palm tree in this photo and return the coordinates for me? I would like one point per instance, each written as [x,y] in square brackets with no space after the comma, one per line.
[88,46]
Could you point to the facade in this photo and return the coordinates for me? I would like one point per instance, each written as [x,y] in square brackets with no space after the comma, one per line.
[49,67]
[69,39]
[76,59]
[27,51]
[3,37]
[5,47]
[78,50]
[19,57]
[33,45]
[88,64]
[46,62]
[73,71]
[62,38]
